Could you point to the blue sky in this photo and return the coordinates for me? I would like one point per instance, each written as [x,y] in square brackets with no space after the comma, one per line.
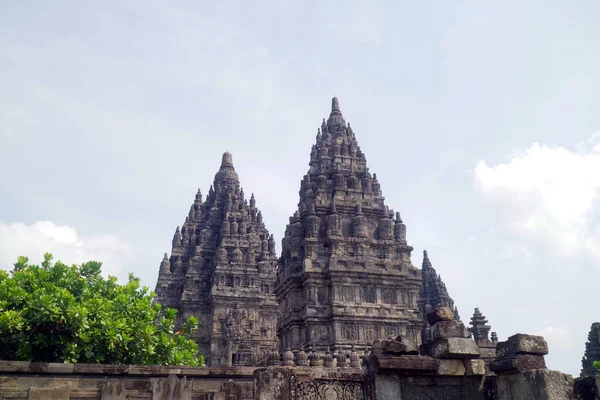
[479,119]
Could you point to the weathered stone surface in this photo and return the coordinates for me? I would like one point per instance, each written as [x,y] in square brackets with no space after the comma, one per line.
[454,348]
[172,388]
[440,314]
[587,388]
[517,362]
[432,387]
[394,347]
[405,363]
[449,329]
[273,383]
[222,271]
[522,344]
[205,383]
[451,367]
[58,392]
[541,384]
[475,366]
[113,390]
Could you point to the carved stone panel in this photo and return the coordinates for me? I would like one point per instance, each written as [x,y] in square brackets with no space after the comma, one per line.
[321,389]
[350,331]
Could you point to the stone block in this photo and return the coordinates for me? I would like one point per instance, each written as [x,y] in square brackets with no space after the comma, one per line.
[518,362]
[475,366]
[59,392]
[454,348]
[102,369]
[272,383]
[452,367]
[14,366]
[405,363]
[172,388]
[395,347]
[59,368]
[587,388]
[113,390]
[440,314]
[522,344]
[541,384]
[449,329]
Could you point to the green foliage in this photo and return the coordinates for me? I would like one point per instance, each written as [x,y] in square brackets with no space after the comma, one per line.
[597,365]
[59,313]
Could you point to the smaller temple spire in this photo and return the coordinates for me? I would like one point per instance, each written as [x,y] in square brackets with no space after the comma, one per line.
[479,328]
[426,262]
[165,265]
[592,352]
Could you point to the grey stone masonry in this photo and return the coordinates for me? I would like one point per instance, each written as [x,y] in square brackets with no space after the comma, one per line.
[222,271]
[345,274]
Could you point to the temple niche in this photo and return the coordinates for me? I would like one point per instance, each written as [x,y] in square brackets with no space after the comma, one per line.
[222,271]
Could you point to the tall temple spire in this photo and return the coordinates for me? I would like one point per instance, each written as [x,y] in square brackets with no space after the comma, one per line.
[343,252]
[592,352]
[214,265]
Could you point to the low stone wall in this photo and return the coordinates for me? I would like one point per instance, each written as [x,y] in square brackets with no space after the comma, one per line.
[28,380]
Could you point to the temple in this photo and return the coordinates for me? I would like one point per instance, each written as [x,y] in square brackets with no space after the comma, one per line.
[222,271]
[344,278]
[592,352]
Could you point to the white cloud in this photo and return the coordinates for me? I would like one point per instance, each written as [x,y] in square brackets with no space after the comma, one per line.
[64,242]
[548,194]
[556,337]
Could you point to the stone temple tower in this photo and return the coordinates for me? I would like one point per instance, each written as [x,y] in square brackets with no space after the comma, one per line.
[345,275]
[592,352]
[222,270]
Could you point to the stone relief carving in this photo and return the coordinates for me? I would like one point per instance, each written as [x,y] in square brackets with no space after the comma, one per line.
[329,390]
[350,332]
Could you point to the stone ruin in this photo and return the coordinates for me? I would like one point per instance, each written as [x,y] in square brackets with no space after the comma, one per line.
[448,366]
[342,301]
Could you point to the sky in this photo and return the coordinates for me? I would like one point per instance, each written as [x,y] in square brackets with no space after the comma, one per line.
[479,119]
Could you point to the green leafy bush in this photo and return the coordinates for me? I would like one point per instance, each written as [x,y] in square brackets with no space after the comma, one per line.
[59,313]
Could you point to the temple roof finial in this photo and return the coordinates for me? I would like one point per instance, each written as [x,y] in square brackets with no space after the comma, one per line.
[335,105]
[227,160]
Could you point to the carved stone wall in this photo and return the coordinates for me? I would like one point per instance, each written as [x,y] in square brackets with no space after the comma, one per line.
[284,383]
[24,380]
